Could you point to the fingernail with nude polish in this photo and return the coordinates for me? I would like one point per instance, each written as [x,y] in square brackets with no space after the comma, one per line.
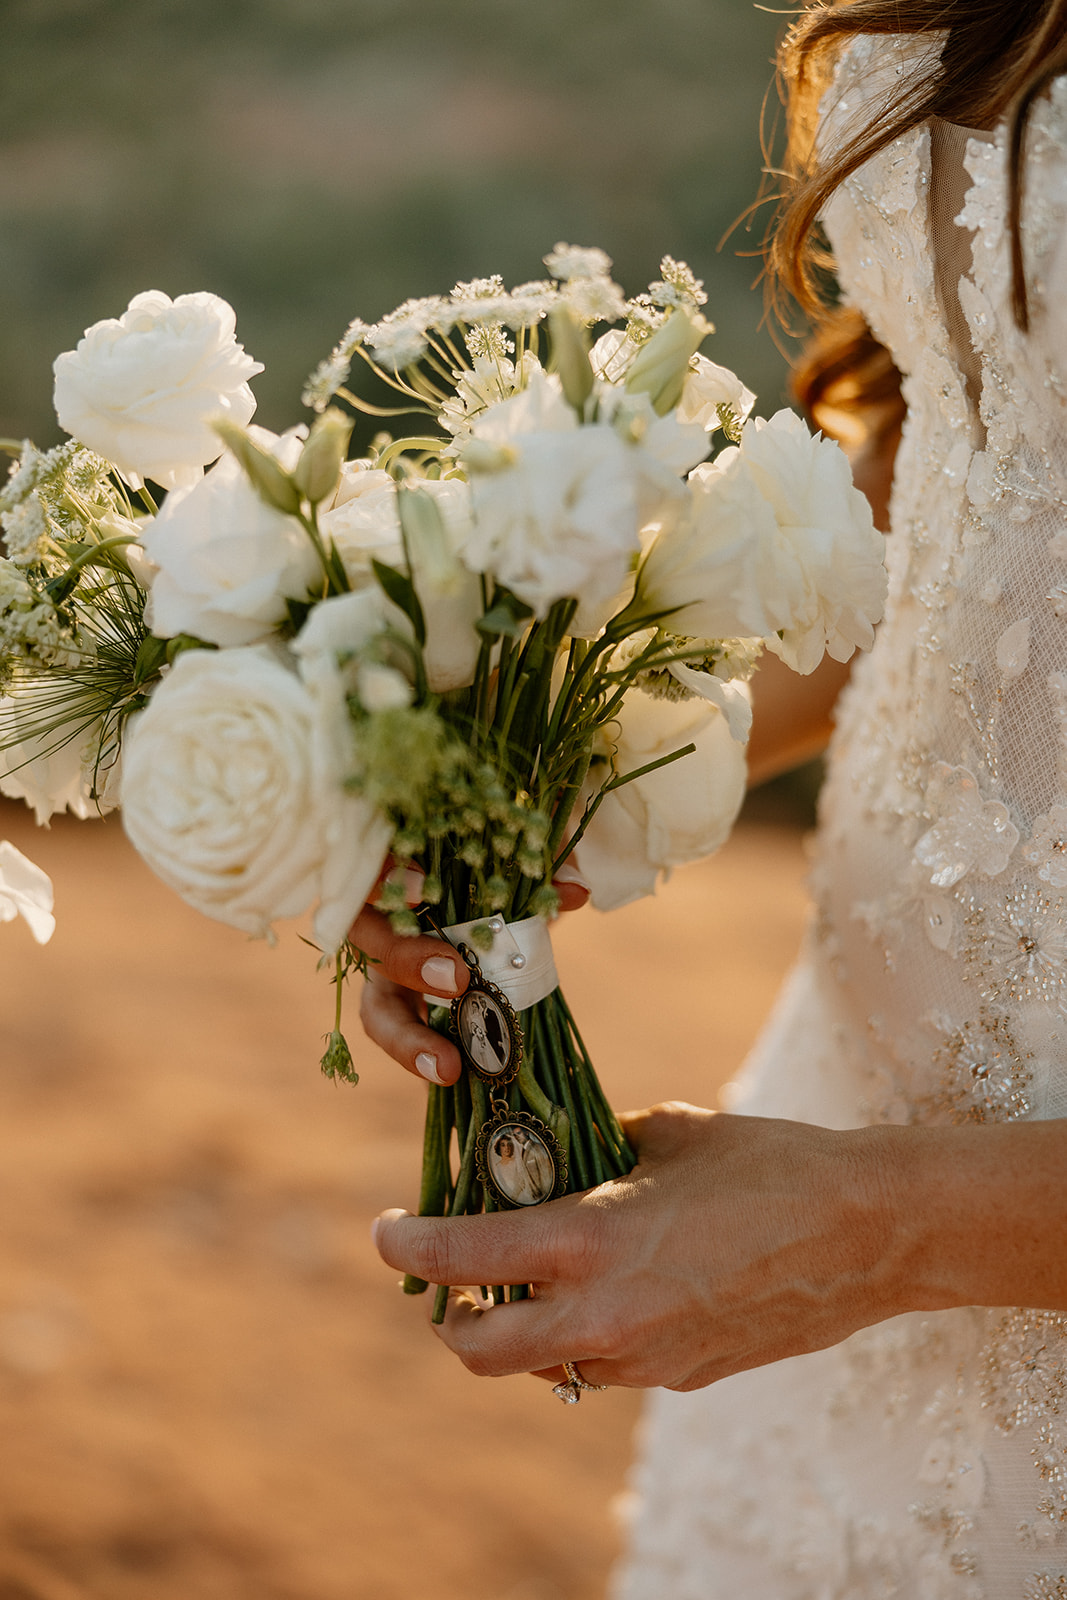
[427,1067]
[568,873]
[413,882]
[439,973]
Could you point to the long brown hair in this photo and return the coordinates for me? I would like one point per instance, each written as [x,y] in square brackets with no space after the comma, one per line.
[998,57]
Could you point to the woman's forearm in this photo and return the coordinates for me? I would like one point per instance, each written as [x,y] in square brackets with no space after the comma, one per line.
[980,1214]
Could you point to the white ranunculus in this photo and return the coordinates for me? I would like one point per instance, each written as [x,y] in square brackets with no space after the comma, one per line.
[777,541]
[708,387]
[680,813]
[25,891]
[233,792]
[140,389]
[54,779]
[228,561]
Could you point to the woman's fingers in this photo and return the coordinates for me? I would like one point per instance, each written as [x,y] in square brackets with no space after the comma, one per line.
[499,1341]
[424,964]
[393,1018]
[539,1245]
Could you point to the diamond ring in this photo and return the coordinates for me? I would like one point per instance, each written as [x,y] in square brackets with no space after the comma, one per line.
[570,1391]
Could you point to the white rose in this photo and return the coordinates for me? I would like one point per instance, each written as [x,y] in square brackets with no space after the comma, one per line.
[233,792]
[227,561]
[25,891]
[140,388]
[677,814]
[52,778]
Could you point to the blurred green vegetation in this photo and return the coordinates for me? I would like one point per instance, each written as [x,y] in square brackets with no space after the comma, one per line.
[314,160]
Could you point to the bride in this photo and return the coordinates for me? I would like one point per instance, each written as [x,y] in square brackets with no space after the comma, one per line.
[829,1287]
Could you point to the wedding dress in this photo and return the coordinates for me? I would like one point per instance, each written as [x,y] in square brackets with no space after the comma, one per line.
[925,1457]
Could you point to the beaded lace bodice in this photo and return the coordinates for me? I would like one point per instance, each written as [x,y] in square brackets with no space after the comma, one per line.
[925,1457]
[944,845]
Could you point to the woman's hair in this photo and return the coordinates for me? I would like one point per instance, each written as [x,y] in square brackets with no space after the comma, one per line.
[997,58]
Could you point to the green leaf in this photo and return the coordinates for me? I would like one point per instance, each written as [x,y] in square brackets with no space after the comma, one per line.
[508,615]
[401,591]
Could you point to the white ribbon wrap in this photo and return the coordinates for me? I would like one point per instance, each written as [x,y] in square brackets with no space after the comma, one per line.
[520,962]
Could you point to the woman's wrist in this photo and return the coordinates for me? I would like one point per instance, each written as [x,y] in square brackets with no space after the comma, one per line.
[977,1214]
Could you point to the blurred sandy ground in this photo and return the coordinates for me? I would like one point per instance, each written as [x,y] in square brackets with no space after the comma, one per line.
[209,1385]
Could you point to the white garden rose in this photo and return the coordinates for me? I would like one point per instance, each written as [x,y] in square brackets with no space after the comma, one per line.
[25,891]
[777,542]
[233,792]
[141,389]
[228,561]
[677,814]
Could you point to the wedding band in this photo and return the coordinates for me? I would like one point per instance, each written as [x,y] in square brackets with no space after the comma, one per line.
[570,1391]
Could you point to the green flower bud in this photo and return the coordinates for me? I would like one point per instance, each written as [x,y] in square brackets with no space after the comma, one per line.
[570,357]
[429,550]
[268,477]
[497,892]
[544,902]
[319,467]
[481,937]
[660,367]
[337,1062]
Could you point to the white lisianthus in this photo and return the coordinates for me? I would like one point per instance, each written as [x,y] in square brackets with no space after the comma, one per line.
[827,525]
[344,639]
[361,519]
[777,541]
[53,777]
[677,814]
[363,522]
[228,561]
[559,519]
[25,891]
[233,792]
[140,389]
[709,386]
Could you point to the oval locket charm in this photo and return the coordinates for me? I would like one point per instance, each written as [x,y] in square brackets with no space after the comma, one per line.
[519,1159]
[485,1023]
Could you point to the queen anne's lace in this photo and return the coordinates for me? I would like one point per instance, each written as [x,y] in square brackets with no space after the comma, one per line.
[926,1456]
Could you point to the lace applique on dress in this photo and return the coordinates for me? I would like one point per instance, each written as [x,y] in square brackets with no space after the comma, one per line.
[926,1458]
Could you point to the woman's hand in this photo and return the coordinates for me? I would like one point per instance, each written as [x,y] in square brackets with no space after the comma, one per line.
[402,970]
[735,1241]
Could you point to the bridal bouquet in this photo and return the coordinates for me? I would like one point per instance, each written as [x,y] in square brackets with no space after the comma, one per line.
[521,632]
